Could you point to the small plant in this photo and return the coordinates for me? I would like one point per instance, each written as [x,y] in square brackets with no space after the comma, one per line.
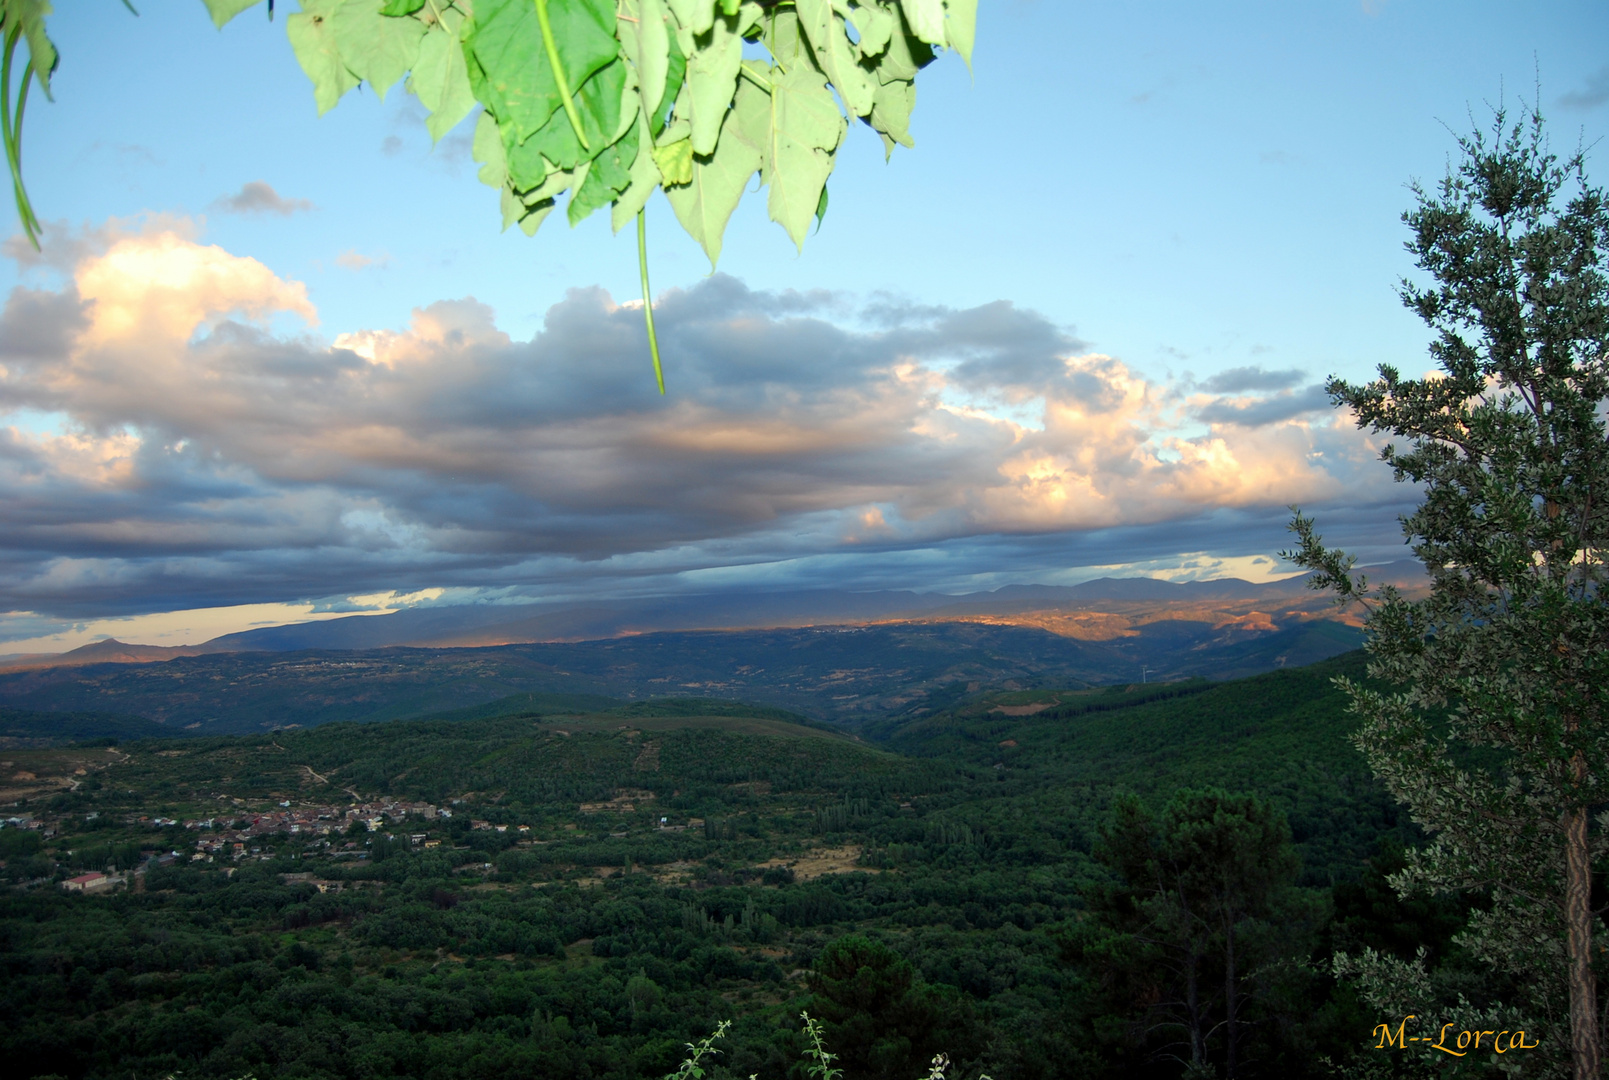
[818,1059]
[820,1067]
[692,1069]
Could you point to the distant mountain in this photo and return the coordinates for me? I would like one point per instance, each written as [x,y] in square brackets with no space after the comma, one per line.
[480,625]
[841,674]
[109,651]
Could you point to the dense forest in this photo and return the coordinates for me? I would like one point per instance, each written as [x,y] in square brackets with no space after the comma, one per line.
[1039,883]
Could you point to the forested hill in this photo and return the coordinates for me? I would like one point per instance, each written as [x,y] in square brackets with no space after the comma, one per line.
[847,674]
[577,887]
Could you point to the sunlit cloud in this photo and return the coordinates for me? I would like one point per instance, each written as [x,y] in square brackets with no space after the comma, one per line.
[207,448]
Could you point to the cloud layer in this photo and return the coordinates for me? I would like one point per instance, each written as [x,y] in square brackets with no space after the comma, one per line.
[174,434]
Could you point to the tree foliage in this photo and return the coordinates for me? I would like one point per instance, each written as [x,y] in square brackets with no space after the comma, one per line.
[1497,737]
[1175,934]
[602,102]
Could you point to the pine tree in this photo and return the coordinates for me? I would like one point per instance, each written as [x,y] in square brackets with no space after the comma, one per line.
[1495,733]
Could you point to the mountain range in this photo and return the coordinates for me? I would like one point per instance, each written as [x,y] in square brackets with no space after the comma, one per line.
[1105,609]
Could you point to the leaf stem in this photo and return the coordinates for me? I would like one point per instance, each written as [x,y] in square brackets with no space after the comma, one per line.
[11,128]
[647,295]
[558,73]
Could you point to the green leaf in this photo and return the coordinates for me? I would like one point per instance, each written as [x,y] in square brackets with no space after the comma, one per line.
[675,79]
[643,30]
[712,74]
[903,58]
[488,150]
[509,69]
[821,207]
[609,175]
[875,25]
[806,128]
[224,10]
[374,47]
[312,36]
[538,202]
[440,77]
[704,205]
[784,40]
[961,27]
[926,19]
[891,113]
[400,7]
[645,177]
[835,54]
[598,104]
[675,161]
[693,17]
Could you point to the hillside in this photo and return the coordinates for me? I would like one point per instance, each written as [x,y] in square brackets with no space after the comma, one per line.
[538,857]
[844,674]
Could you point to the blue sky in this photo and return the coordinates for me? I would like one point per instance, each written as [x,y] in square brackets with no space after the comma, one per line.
[1074,332]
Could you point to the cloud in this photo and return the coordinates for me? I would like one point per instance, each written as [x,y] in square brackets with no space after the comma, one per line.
[257,197]
[203,447]
[1592,94]
[1256,412]
[1241,379]
[352,259]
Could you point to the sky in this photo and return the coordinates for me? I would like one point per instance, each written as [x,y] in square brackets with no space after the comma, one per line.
[272,366]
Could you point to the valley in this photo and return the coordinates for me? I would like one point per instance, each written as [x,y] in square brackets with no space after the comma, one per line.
[577,885]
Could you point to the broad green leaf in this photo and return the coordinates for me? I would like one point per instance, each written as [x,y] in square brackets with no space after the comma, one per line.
[224,10]
[609,175]
[313,38]
[440,77]
[784,40]
[874,23]
[675,80]
[835,54]
[712,74]
[598,104]
[821,207]
[694,16]
[903,58]
[509,69]
[961,27]
[488,150]
[926,19]
[643,30]
[675,161]
[704,205]
[645,177]
[806,128]
[521,206]
[401,7]
[891,113]
[534,217]
[375,47]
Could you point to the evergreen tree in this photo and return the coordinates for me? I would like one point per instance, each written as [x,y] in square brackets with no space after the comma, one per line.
[1495,733]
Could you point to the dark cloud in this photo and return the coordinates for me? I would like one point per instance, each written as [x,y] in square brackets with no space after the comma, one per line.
[1593,93]
[36,325]
[1242,379]
[1269,410]
[257,197]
